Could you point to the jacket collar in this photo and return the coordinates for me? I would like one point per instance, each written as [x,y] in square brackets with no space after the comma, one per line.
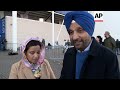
[27,72]
[94,48]
[92,51]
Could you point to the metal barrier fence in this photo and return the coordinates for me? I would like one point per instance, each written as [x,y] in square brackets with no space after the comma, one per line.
[54,53]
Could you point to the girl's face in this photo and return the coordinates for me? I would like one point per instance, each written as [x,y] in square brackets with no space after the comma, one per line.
[33,54]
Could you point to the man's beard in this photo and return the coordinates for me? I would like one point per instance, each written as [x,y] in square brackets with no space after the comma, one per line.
[80,44]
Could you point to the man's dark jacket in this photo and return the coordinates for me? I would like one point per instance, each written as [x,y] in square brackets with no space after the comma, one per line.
[101,63]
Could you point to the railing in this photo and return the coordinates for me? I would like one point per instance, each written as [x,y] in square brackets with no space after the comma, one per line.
[53,53]
[56,52]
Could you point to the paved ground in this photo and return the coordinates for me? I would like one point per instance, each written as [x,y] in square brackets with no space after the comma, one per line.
[6,61]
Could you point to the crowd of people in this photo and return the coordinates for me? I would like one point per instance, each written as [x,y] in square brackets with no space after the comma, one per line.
[109,42]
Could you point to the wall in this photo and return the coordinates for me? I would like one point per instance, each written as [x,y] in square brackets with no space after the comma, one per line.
[26,27]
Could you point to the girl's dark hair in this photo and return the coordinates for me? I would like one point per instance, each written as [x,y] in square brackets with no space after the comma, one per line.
[32,43]
[100,39]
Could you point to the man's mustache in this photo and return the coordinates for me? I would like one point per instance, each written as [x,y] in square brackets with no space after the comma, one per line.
[75,41]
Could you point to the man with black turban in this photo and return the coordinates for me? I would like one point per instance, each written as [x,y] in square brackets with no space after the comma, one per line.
[87,59]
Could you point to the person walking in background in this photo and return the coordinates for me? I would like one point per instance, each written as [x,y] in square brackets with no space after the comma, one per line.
[33,64]
[99,39]
[117,47]
[109,42]
[43,41]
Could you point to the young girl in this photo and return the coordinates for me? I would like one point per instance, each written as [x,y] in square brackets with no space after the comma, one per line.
[32,65]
